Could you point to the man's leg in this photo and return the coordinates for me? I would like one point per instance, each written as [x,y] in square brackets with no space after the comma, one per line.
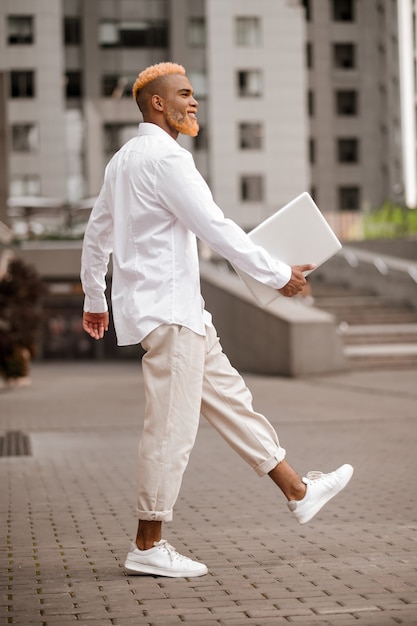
[227,405]
[172,372]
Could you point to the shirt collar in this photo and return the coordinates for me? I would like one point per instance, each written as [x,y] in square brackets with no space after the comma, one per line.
[147,128]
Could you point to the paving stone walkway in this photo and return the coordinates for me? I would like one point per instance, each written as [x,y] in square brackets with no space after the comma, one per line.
[67,511]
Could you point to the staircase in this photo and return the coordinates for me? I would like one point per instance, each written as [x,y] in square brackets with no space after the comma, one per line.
[377,331]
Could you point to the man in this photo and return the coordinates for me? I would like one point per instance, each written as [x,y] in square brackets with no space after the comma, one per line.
[151,207]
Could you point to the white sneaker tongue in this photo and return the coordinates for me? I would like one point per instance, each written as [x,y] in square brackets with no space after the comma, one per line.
[314,475]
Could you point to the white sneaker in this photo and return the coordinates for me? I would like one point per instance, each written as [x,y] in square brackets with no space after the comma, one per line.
[162,560]
[320,489]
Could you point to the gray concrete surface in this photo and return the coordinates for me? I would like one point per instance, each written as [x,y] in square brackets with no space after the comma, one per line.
[68,510]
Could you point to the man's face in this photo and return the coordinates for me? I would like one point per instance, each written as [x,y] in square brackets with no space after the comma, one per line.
[181,106]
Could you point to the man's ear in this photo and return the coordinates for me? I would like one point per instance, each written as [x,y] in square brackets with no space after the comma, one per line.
[157,102]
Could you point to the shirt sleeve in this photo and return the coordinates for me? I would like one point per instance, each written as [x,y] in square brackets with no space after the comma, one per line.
[97,246]
[183,191]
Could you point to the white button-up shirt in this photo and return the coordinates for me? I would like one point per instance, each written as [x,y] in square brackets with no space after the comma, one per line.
[151,207]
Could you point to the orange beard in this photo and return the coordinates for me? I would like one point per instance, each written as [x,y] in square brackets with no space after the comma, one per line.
[181,122]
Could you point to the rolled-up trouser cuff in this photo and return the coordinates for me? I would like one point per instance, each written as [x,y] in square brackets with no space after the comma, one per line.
[268,465]
[155,516]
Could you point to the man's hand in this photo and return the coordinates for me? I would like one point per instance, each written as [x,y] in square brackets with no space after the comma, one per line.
[297,281]
[95,324]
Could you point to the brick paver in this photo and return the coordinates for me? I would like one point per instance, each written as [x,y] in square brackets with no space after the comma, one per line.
[68,510]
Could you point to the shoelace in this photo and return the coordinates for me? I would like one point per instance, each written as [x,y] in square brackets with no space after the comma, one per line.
[173,554]
[314,475]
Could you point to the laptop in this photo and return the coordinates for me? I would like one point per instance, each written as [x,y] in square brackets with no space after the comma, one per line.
[296,234]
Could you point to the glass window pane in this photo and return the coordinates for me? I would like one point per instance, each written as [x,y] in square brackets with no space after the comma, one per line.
[25,138]
[343,10]
[108,34]
[73,87]
[198,81]
[346,102]
[20,29]
[344,55]
[250,135]
[348,150]
[134,34]
[72,31]
[196,33]
[22,84]
[249,83]
[251,188]
[308,9]
[248,31]
[349,198]
[25,186]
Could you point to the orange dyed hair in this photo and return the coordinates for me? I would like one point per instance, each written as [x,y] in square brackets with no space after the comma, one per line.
[155,71]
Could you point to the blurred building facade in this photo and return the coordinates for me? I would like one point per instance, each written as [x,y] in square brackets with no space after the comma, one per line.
[71,65]
[354,102]
[293,95]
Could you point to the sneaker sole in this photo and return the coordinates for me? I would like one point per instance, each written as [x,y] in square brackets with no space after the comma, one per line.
[136,569]
[325,499]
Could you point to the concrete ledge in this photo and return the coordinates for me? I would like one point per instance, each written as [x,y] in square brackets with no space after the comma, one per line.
[287,338]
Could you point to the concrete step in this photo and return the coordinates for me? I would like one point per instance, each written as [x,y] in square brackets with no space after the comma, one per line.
[357,301]
[370,318]
[376,330]
[378,333]
[381,355]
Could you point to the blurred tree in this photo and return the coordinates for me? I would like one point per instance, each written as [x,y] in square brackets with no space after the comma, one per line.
[21,290]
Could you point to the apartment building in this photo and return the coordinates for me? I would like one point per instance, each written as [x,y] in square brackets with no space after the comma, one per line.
[294,95]
[352,58]
[71,65]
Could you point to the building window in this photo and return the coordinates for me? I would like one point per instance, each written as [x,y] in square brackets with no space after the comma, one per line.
[251,188]
[201,140]
[310,103]
[196,32]
[115,135]
[22,84]
[349,198]
[249,83]
[20,30]
[312,150]
[134,34]
[344,56]
[346,102]
[198,82]
[348,150]
[73,85]
[29,185]
[115,86]
[72,31]
[343,10]
[25,137]
[248,31]
[308,10]
[250,135]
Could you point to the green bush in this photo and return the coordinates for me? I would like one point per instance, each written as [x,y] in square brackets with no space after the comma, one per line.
[390,221]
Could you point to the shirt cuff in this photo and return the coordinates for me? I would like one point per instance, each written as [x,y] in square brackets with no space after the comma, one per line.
[284,273]
[95,305]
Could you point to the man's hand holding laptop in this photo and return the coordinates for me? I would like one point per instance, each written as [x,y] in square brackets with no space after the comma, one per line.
[297,281]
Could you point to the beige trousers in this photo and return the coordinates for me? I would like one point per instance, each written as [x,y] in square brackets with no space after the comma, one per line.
[186,375]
